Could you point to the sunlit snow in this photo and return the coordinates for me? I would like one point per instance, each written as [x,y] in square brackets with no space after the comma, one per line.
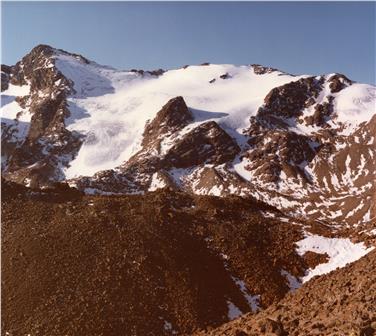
[341,251]
[111,107]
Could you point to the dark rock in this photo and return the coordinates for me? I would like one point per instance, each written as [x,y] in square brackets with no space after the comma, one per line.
[261,70]
[225,76]
[6,72]
[338,82]
[173,116]
[207,143]
[288,101]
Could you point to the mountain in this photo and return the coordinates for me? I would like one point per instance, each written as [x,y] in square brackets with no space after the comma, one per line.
[339,303]
[170,201]
[304,144]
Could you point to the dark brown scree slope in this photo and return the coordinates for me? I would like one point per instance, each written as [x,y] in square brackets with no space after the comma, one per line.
[342,302]
[136,265]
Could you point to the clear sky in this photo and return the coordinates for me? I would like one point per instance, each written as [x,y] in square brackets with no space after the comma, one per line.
[298,37]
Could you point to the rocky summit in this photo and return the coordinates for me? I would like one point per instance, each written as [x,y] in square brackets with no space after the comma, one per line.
[169,202]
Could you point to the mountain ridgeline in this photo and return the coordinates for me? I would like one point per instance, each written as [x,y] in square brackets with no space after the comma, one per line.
[170,202]
[304,144]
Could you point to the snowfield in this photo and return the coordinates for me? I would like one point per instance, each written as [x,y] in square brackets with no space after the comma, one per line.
[9,107]
[111,107]
[356,103]
[341,251]
[13,116]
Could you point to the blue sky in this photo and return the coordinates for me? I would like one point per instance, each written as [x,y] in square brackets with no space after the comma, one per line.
[298,37]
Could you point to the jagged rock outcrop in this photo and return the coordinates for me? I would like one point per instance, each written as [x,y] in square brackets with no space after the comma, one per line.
[156,73]
[322,163]
[173,117]
[5,76]
[35,159]
[207,143]
[289,100]
[338,82]
[262,70]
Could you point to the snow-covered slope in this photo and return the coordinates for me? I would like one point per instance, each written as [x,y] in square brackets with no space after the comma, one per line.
[15,120]
[341,251]
[112,107]
[305,144]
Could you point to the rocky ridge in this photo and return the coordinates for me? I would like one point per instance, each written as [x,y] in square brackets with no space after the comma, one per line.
[297,151]
[37,157]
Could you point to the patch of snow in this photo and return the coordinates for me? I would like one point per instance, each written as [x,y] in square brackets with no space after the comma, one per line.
[27,182]
[156,182]
[16,90]
[355,103]
[233,311]
[167,326]
[15,118]
[367,216]
[253,300]
[341,251]
[293,282]
[240,165]
[216,190]
[356,209]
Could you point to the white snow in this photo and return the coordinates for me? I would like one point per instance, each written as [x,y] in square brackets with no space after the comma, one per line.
[356,209]
[233,311]
[156,182]
[253,300]
[240,167]
[356,103]
[341,251]
[13,115]
[216,190]
[167,326]
[10,108]
[111,107]
[293,282]
[15,90]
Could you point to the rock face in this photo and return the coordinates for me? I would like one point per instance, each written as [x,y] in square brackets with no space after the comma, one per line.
[305,144]
[206,144]
[5,76]
[262,70]
[33,159]
[288,101]
[173,117]
[339,303]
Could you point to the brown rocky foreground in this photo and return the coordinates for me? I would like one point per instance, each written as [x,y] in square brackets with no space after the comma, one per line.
[163,263]
[342,302]
[166,263]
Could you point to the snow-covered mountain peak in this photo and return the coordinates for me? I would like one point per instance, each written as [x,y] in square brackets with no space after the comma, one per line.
[301,143]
